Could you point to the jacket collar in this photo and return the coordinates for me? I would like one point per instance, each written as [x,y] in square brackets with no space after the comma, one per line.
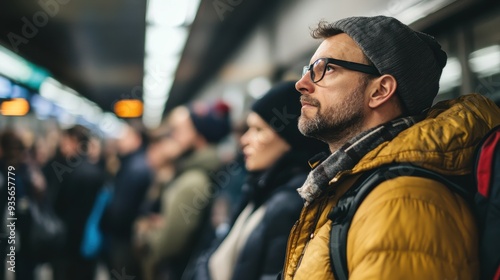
[349,155]
[444,141]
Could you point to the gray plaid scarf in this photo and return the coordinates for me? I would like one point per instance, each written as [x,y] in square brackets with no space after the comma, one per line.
[350,154]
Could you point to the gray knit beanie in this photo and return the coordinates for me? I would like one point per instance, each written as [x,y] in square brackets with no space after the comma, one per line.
[415,59]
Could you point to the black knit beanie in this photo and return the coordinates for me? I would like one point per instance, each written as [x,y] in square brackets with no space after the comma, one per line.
[415,59]
[211,120]
[280,108]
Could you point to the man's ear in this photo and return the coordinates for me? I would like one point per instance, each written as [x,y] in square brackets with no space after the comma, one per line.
[381,90]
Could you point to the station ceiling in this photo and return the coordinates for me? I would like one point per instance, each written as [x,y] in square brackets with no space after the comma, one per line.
[97,47]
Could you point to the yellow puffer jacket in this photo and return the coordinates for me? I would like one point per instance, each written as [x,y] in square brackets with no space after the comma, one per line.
[407,227]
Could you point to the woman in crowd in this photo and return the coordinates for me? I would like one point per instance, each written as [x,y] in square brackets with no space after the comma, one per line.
[276,155]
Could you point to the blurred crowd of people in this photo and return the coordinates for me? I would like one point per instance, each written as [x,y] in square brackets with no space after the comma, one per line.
[176,206]
[167,204]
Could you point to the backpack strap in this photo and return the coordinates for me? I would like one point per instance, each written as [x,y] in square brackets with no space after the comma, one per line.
[487,203]
[343,213]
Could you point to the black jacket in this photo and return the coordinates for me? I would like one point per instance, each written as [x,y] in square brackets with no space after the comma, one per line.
[74,184]
[130,186]
[263,254]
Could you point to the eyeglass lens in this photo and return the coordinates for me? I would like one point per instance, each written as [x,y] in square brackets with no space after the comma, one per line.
[317,70]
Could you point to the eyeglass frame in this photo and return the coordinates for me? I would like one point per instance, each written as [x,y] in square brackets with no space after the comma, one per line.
[354,66]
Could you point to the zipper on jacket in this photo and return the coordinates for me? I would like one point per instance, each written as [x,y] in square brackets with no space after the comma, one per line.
[287,253]
[311,233]
[301,256]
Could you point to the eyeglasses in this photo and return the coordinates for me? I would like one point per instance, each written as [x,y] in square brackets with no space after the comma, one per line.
[318,68]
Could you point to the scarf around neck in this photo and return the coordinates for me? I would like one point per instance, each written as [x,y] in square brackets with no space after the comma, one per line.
[350,154]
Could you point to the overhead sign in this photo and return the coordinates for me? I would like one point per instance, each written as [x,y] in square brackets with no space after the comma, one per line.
[128,108]
[15,107]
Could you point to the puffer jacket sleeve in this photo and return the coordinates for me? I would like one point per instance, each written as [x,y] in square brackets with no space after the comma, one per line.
[412,228]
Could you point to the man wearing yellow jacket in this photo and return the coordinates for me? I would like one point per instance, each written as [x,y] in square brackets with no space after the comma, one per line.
[368,93]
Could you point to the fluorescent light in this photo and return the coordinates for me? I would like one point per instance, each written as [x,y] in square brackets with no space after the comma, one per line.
[70,103]
[157,85]
[154,102]
[158,65]
[152,118]
[92,113]
[409,11]
[156,90]
[421,9]
[73,104]
[171,12]
[151,123]
[65,97]
[50,89]
[485,62]
[166,34]
[165,41]
[153,110]
[21,70]
[13,67]
[451,76]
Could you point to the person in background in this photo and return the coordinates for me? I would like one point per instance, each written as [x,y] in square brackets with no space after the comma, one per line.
[168,238]
[95,151]
[160,155]
[75,182]
[29,185]
[228,201]
[130,185]
[276,157]
[368,93]
[111,156]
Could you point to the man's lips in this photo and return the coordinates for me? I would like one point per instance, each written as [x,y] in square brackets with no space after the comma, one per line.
[308,102]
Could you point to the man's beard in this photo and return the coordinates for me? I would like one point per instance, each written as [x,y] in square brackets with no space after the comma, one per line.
[336,123]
